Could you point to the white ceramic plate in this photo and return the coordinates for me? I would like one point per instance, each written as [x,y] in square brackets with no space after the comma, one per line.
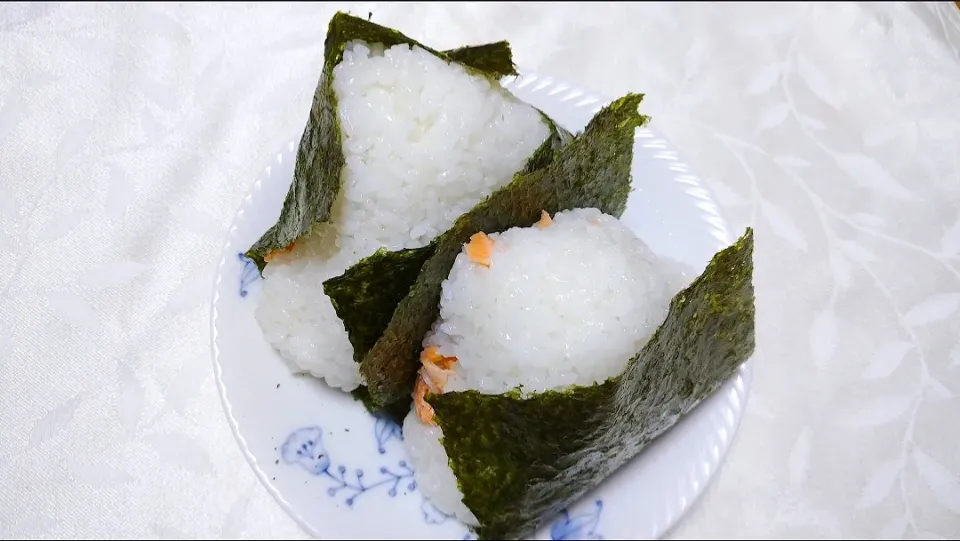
[341,473]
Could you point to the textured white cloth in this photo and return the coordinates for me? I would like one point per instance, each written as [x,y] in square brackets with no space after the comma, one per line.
[129,133]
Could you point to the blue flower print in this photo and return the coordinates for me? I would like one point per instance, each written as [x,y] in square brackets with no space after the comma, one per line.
[582,526]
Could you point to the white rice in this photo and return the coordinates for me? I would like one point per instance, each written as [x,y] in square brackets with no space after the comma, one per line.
[432,469]
[424,142]
[567,304]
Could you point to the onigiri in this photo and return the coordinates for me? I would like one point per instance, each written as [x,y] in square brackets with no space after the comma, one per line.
[424,140]
[567,301]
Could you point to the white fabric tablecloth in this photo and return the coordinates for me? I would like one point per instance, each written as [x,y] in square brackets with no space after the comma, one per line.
[129,133]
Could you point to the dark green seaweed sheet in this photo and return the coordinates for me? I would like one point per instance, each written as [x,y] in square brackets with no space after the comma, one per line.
[367,289]
[520,461]
[316,177]
[592,170]
[494,59]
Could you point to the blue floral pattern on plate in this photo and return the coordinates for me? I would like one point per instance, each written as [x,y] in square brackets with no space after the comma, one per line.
[432,515]
[248,275]
[304,448]
[386,430]
[580,526]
